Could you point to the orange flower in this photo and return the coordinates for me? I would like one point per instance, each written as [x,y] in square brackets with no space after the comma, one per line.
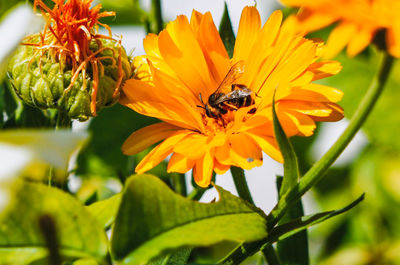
[187,62]
[358,22]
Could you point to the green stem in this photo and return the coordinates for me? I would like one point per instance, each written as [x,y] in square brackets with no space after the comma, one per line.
[196,194]
[179,182]
[270,255]
[63,121]
[156,12]
[243,190]
[320,167]
[318,170]
[241,185]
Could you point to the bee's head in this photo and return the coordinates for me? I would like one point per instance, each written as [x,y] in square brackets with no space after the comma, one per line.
[212,98]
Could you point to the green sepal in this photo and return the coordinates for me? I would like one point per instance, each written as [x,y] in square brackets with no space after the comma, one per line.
[226,32]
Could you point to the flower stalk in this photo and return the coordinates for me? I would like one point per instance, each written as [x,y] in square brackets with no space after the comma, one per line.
[157,13]
[242,188]
[241,185]
[318,170]
[63,120]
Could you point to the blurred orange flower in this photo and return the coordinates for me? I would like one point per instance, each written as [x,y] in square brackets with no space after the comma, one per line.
[358,22]
[186,63]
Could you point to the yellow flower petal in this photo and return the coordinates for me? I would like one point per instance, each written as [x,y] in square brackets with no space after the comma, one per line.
[202,171]
[180,163]
[140,97]
[214,50]
[193,146]
[262,47]
[145,137]
[243,155]
[393,39]
[325,69]
[160,152]
[219,168]
[339,38]
[268,144]
[249,27]
[182,52]
[296,123]
[360,41]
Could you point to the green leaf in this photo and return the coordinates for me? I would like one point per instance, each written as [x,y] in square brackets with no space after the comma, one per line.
[128,12]
[292,250]
[290,165]
[226,32]
[180,257]
[153,220]
[85,262]
[105,211]
[288,229]
[21,240]
[2,105]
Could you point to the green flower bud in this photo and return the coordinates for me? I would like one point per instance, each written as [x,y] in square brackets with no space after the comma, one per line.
[42,81]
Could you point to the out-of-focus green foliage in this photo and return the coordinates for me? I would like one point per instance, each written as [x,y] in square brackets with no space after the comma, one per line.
[106,210]
[128,12]
[21,241]
[103,156]
[180,257]
[139,237]
[43,148]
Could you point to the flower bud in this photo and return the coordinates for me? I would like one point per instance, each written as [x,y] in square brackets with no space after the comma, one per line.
[78,73]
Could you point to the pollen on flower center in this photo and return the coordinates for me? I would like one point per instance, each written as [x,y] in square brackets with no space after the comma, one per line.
[224,122]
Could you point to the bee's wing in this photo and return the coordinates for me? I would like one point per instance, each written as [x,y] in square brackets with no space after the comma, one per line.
[237,93]
[225,97]
[234,73]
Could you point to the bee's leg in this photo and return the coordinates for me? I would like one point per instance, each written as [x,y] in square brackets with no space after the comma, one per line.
[221,119]
[252,111]
[201,99]
[230,106]
[241,86]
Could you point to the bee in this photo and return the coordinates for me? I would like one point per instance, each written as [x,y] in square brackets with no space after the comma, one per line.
[229,95]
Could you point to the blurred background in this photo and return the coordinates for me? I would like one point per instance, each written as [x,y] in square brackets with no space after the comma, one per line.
[368,234]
